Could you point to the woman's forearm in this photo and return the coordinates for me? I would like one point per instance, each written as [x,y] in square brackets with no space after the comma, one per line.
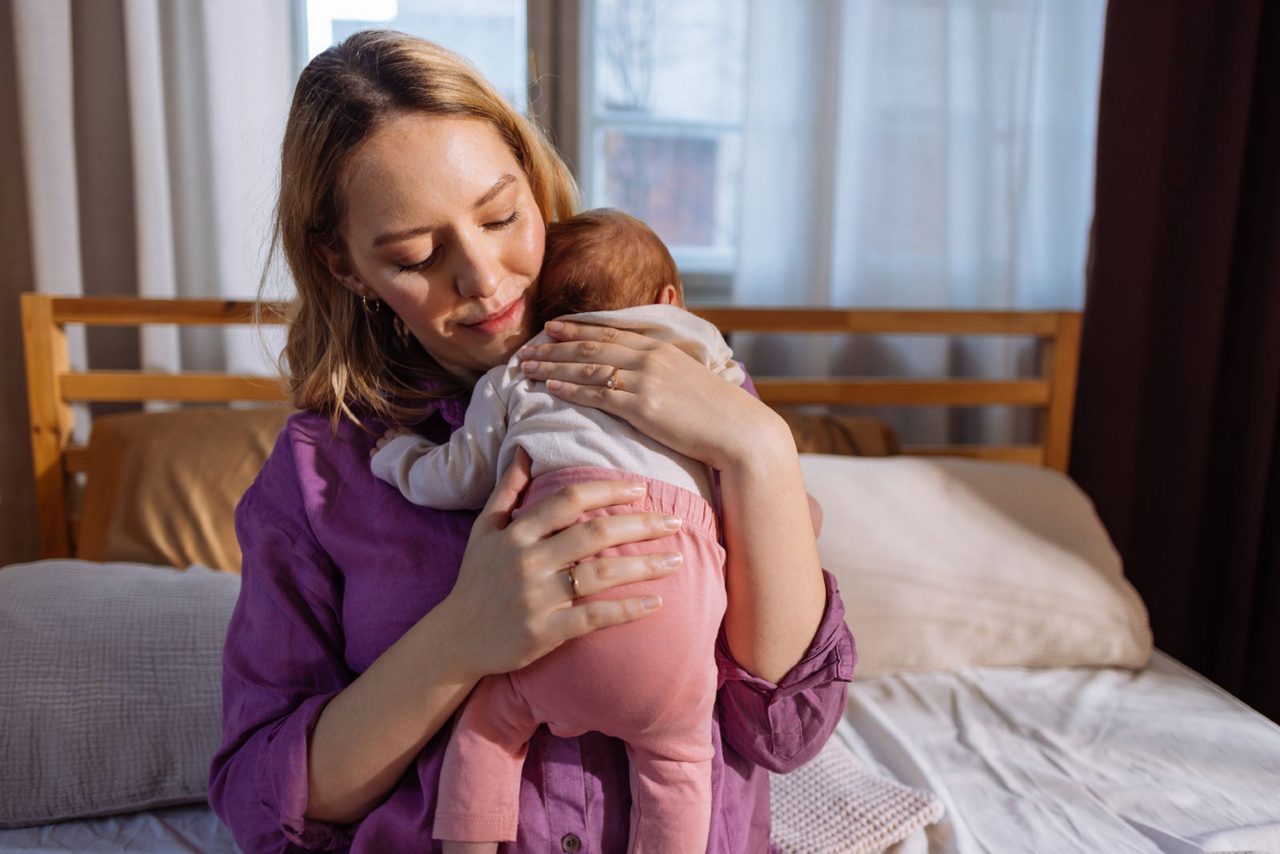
[776,590]
[369,733]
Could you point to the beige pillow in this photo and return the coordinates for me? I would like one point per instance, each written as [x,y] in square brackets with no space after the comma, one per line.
[945,563]
[854,435]
[163,486]
[111,697]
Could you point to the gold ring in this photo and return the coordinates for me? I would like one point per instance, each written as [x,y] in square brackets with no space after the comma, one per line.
[612,382]
[573,582]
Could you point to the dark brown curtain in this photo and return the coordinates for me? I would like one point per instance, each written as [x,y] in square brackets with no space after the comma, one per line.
[1177,430]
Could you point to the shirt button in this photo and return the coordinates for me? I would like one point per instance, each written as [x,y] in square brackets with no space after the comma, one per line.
[570,842]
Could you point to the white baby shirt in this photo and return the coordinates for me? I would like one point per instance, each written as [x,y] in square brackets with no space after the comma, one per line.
[507,411]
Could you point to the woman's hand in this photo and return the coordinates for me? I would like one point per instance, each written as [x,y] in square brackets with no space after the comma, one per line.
[513,591]
[658,389]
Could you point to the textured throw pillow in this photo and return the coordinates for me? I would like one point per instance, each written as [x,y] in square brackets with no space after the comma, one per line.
[834,805]
[945,563]
[110,697]
[852,435]
[163,486]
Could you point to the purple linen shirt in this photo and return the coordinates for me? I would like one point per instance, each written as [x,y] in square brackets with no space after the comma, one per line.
[338,566]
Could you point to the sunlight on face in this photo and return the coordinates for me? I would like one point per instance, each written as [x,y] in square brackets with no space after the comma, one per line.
[442,226]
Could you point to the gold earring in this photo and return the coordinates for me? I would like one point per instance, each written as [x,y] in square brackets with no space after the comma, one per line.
[370,308]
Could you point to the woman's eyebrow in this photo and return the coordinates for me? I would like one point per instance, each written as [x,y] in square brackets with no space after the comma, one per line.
[493,191]
[396,236]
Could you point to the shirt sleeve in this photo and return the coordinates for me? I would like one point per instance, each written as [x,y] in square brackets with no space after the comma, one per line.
[288,605]
[461,473]
[782,725]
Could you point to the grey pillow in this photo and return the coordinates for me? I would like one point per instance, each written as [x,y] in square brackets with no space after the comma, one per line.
[110,676]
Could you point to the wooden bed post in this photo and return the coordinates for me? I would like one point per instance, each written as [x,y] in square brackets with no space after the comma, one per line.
[1061,359]
[45,343]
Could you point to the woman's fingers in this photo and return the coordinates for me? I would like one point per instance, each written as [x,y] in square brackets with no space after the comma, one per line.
[565,330]
[602,573]
[582,619]
[626,350]
[590,374]
[496,513]
[561,509]
[588,538]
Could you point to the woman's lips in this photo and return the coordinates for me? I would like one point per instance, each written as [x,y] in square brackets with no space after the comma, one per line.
[505,320]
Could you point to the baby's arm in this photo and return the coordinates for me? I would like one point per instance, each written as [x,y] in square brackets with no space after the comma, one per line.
[458,475]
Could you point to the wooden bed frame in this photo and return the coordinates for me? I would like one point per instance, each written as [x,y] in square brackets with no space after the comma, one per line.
[52,387]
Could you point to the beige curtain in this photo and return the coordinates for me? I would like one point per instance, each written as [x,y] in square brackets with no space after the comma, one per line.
[139,142]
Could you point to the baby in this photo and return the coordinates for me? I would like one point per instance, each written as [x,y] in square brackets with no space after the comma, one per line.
[650,683]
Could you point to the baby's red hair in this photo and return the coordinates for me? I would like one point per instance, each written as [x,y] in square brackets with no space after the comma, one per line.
[599,260]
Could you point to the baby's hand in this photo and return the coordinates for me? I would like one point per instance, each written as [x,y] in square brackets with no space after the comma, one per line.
[387,437]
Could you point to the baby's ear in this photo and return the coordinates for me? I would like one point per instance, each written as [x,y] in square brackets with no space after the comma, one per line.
[670,295]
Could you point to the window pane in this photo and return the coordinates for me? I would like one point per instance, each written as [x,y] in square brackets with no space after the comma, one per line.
[683,184]
[491,34]
[670,60]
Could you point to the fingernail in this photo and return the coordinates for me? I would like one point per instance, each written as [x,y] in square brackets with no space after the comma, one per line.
[530,367]
[674,559]
[671,522]
[554,326]
[554,385]
[637,489]
[651,602]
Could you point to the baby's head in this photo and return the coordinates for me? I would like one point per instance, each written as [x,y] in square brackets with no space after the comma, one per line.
[604,259]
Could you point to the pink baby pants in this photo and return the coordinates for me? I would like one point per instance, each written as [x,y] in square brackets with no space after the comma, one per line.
[651,683]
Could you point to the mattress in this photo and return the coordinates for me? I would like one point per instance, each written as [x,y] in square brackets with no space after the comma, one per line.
[1102,761]
[192,828]
[1074,760]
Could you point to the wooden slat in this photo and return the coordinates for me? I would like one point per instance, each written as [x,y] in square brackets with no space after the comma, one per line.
[75,459]
[1029,454]
[141,385]
[127,311]
[51,385]
[872,391]
[879,321]
[45,347]
[1061,362]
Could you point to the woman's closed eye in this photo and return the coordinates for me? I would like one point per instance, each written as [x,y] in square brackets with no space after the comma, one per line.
[435,253]
[423,264]
[506,223]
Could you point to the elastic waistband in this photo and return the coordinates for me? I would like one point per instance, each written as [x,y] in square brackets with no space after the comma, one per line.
[662,497]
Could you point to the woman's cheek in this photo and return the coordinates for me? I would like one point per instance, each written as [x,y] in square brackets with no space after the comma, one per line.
[534,244]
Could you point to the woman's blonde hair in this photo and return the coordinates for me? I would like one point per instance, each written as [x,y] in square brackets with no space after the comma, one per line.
[340,357]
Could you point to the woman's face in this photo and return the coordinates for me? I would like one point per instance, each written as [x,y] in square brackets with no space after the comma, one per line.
[442,226]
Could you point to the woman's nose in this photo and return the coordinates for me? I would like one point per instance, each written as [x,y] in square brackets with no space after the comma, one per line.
[479,272]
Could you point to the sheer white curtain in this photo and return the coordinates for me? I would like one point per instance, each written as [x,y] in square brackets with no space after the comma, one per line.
[919,153]
[151,131]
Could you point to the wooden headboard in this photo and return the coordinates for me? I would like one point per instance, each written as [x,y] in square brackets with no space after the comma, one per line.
[52,387]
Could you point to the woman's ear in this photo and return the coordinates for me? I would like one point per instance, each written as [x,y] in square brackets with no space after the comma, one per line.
[669,295]
[340,269]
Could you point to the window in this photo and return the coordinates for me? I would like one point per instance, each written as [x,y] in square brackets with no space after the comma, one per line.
[663,98]
[489,33]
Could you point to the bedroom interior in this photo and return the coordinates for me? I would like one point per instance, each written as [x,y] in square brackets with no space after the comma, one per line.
[1066,618]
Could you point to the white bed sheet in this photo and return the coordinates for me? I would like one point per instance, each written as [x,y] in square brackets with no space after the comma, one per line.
[1102,761]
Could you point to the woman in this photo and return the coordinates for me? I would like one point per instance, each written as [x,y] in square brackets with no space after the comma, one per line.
[412,211]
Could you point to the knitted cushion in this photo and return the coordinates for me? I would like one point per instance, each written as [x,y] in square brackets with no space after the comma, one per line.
[834,805]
